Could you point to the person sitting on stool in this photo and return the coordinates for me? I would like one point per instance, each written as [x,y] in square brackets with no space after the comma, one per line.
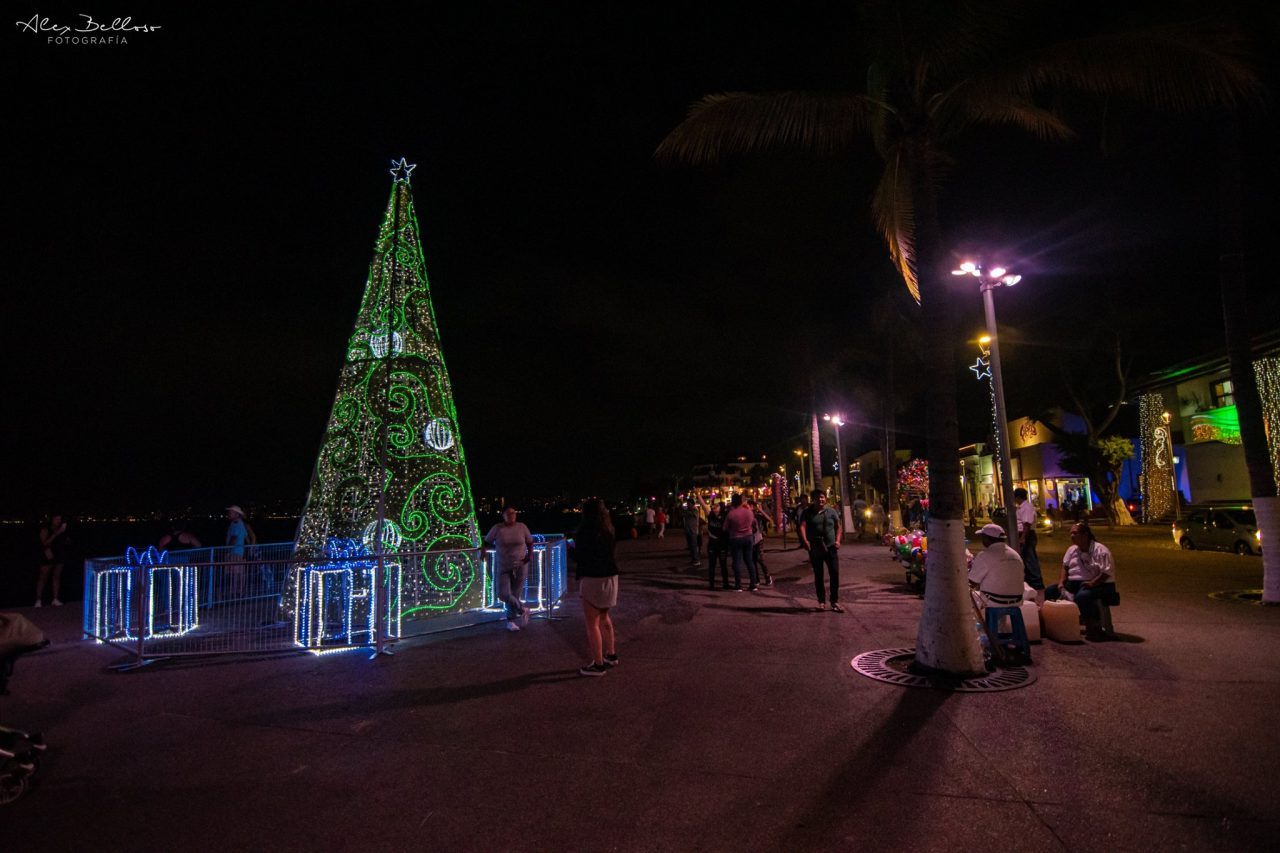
[1088,577]
[996,571]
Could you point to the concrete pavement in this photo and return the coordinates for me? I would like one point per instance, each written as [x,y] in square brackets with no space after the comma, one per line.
[734,722]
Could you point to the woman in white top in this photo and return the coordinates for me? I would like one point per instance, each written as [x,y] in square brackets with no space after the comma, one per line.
[1088,574]
[513,553]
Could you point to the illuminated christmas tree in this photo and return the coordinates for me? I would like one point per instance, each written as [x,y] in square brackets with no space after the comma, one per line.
[391,474]
[913,480]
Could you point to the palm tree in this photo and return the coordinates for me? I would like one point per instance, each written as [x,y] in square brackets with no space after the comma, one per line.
[937,72]
[1258,457]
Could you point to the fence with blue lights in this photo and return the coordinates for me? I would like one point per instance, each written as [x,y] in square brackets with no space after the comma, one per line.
[265,598]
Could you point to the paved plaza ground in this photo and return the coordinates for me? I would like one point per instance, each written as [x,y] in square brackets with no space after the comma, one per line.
[734,722]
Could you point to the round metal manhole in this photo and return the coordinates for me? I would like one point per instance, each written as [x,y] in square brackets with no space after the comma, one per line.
[892,666]
[1241,596]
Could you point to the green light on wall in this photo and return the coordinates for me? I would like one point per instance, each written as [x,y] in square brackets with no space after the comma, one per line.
[1221,424]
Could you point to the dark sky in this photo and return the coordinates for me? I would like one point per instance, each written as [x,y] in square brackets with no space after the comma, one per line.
[191,216]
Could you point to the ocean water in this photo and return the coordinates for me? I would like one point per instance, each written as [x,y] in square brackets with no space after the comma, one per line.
[20,546]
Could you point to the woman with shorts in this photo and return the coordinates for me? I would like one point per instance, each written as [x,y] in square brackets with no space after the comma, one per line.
[597,574]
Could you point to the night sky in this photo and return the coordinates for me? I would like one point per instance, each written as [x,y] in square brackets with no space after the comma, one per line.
[192,214]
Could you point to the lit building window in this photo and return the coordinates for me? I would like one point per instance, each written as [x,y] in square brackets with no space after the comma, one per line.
[1223,394]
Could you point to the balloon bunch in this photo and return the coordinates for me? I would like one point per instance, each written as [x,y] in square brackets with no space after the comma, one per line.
[910,546]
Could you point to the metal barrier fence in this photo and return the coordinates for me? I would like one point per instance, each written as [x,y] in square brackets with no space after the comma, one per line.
[264,598]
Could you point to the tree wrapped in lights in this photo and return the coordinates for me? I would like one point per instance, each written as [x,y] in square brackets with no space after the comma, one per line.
[391,472]
[1267,372]
[1157,457]
[913,480]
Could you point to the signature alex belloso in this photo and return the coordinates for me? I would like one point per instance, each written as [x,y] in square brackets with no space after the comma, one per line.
[38,24]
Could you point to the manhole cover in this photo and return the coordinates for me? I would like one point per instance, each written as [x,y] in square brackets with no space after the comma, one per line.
[892,666]
[1244,596]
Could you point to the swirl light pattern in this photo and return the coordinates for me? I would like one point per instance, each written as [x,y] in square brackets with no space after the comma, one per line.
[392,449]
[1157,479]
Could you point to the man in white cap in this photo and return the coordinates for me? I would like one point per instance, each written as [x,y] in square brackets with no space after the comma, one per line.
[239,534]
[996,571]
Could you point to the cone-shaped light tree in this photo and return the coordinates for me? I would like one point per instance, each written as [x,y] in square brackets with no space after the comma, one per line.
[391,474]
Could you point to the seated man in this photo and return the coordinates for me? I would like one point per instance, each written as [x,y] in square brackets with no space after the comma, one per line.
[1088,576]
[996,572]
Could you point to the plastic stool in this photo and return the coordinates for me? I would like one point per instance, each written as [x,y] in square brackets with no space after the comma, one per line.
[1018,637]
[1104,617]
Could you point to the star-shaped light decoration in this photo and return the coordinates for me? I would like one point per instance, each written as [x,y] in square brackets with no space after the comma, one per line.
[400,170]
[981,368]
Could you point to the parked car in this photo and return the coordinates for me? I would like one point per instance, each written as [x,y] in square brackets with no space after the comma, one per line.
[1219,527]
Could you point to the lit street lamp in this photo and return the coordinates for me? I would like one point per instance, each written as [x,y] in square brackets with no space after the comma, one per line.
[802,456]
[993,278]
[837,421]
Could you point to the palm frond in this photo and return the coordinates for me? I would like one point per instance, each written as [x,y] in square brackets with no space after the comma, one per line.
[982,101]
[895,218]
[1177,68]
[719,126]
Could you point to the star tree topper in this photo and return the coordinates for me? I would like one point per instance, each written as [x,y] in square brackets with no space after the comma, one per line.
[399,166]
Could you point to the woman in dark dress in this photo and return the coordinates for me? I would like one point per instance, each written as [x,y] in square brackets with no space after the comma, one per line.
[597,573]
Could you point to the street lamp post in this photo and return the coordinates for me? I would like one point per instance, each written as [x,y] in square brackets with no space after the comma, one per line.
[1173,469]
[837,421]
[803,484]
[996,277]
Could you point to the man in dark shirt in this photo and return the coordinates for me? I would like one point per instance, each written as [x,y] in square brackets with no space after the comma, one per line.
[820,534]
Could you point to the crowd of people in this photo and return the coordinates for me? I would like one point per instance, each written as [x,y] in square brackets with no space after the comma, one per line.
[732,534]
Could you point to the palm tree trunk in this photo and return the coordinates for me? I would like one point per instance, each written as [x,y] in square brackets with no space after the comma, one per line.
[945,640]
[890,442]
[1235,317]
[815,441]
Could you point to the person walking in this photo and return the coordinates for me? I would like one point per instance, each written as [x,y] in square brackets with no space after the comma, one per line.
[53,554]
[798,513]
[820,534]
[717,546]
[661,519]
[879,520]
[737,528]
[859,517]
[758,532]
[690,521]
[1026,520]
[650,520]
[596,571]
[513,552]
